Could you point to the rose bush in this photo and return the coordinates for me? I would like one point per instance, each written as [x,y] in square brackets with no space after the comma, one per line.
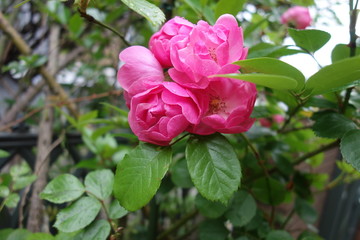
[183,59]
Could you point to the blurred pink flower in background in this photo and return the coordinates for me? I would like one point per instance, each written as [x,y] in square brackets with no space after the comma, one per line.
[298,17]
[269,122]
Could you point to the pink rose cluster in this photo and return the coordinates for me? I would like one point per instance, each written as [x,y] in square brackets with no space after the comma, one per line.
[171,88]
[298,17]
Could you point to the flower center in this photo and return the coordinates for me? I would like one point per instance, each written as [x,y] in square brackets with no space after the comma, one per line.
[212,53]
[216,105]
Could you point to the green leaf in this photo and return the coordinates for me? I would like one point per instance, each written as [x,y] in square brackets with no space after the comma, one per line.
[98,230]
[12,200]
[63,188]
[4,233]
[19,234]
[266,80]
[23,181]
[100,183]
[4,191]
[116,211]
[208,208]
[212,230]
[278,235]
[78,215]
[331,124]
[242,209]
[19,170]
[40,236]
[228,6]
[309,39]
[334,76]
[148,10]
[180,174]
[305,211]
[342,51]
[4,154]
[269,191]
[271,66]
[349,147]
[138,175]
[213,166]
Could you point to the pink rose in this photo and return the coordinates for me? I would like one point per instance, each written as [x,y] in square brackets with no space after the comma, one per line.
[278,118]
[161,113]
[160,42]
[140,71]
[206,51]
[229,108]
[298,17]
[268,122]
[265,122]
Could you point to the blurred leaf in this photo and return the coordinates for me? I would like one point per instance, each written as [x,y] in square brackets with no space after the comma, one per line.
[266,80]
[269,191]
[232,7]
[85,118]
[305,3]
[4,191]
[278,235]
[349,147]
[19,170]
[21,3]
[98,230]
[12,200]
[341,52]
[19,234]
[148,10]
[242,209]
[138,175]
[180,174]
[334,76]
[208,208]
[4,154]
[309,39]
[63,188]
[78,215]
[214,167]
[331,124]
[40,236]
[305,211]
[23,181]
[271,66]
[307,235]
[212,230]
[4,233]
[116,211]
[100,183]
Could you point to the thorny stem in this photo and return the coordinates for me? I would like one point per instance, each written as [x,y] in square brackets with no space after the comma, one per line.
[288,218]
[92,19]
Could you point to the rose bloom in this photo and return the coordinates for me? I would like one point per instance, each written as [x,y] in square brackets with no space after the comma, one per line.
[161,113]
[268,122]
[207,50]
[298,17]
[230,105]
[160,42]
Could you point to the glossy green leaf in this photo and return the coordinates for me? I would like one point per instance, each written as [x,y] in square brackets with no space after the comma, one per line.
[341,52]
[100,183]
[279,235]
[242,209]
[309,39]
[266,80]
[269,191]
[63,188]
[116,211]
[271,66]
[334,76]
[138,175]
[180,174]
[213,166]
[98,230]
[331,124]
[208,208]
[350,149]
[148,10]
[212,230]
[23,181]
[228,6]
[4,154]
[12,200]
[40,236]
[305,211]
[78,215]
